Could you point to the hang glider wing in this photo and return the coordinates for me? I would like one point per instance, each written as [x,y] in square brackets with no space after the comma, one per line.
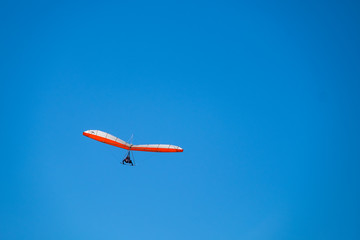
[117,142]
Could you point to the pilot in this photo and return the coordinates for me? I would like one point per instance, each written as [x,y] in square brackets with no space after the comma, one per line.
[128,160]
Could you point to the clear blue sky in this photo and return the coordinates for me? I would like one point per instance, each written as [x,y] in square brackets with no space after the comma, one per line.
[262,95]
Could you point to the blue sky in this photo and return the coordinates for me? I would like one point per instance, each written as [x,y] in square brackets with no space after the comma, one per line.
[263,97]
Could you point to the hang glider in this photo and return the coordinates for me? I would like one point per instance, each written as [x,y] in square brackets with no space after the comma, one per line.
[117,142]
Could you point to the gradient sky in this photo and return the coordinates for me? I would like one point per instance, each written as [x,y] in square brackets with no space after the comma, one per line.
[262,95]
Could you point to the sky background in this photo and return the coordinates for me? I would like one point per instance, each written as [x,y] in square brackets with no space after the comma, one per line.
[263,96]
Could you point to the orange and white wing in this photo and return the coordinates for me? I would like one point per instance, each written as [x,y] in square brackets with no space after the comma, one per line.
[117,142]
